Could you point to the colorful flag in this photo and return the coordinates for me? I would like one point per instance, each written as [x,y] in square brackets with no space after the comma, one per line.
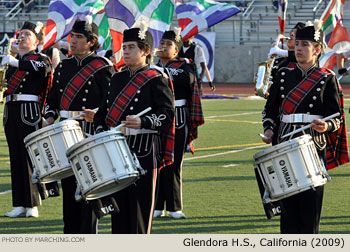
[282,10]
[335,34]
[194,17]
[125,14]
[105,38]
[63,13]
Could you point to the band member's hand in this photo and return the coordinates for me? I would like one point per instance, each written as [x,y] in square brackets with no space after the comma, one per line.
[89,115]
[319,125]
[47,122]
[132,122]
[267,136]
[212,86]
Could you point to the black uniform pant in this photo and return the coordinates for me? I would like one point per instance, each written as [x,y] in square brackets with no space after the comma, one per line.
[78,217]
[136,202]
[169,190]
[24,192]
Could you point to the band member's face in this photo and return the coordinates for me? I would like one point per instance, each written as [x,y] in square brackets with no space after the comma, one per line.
[291,41]
[171,50]
[305,52]
[134,57]
[79,45]
[28,40]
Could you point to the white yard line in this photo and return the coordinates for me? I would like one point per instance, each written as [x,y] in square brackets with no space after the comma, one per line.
[5,192]
[250,113]
[224,153]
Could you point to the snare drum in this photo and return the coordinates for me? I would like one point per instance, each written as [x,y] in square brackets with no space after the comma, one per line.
[289,168]
[103,164]
[47,149]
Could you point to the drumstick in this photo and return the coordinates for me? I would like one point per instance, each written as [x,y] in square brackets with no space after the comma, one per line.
[77,116]
[137,115]
[309,125]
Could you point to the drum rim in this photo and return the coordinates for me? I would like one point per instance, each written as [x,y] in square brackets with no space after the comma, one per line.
[85,141]
[46,129]
[282,145]
[110,181]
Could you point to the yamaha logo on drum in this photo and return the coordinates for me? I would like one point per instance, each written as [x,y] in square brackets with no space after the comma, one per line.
[90,169]
[49,155]
[285,172]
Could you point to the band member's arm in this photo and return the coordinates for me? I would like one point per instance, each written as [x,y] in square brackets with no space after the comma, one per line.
[162,114]
[41,65]
[52,101]
[331,101]
[100,116]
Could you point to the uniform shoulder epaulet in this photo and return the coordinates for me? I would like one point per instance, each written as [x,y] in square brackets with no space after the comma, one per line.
[105,59]
[327,70]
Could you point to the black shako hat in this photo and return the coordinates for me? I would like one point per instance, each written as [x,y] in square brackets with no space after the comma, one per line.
[299,25]
[309,33]
[86,28]
[37,29]
[171,35]
[133,34]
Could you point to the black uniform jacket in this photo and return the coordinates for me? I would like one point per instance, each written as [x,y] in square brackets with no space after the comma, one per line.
[90,95]
[37,73]
[322,100]
[155,94]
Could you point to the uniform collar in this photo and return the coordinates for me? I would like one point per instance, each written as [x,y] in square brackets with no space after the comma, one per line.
[308,70]
[81,61]
[26,54]
[132,73]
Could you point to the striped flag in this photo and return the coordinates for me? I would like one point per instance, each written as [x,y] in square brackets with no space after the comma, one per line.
[282,10]
[125,14]
[335,34]
[194,17]
[63,13]
[101,20]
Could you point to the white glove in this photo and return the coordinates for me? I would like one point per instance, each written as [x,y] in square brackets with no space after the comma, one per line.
[9,60]
[278,51]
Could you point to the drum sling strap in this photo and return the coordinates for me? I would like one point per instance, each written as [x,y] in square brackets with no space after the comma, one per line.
[18,76]
[195,108]
[124,98]
[337,142]
[79,80]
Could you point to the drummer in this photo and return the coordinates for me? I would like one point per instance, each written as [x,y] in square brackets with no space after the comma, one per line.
[302,96]
[151,136]
[79,85]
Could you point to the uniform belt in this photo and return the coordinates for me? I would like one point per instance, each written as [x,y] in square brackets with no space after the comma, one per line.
[129,132]
[69,113]
[22,97]
[179,103]
[299,118]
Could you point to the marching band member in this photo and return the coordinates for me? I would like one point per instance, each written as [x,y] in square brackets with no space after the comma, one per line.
[79,85]
[300,96]
[182,75]
[288,60]
[28,80]
[151,136]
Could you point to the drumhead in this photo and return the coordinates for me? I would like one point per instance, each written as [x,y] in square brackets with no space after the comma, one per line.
[298,140]
[82,145]
[51,128]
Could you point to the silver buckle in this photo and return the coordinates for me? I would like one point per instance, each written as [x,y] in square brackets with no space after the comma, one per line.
[298,118]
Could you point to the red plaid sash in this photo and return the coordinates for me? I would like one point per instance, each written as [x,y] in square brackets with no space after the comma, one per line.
[337,142]
[195,108]
[78,81]
[17,77]
[292,65]
[300,91]
[44,93]
[122,101]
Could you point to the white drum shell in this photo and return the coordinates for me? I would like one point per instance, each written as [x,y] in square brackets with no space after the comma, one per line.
[47,149]
[103,164]
[290,168]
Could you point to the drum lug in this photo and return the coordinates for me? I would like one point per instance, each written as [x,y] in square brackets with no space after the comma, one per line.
[77,194]
[35,176]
